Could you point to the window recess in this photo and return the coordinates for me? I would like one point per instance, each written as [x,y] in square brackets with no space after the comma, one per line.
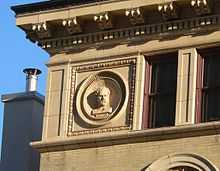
[160,91]
[208,95]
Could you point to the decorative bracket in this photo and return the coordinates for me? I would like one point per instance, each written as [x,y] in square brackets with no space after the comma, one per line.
[201,7]
[168,10]
[135,16]
[42,30]
[103,20]
[72,25]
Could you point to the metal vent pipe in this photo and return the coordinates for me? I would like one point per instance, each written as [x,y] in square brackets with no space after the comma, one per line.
[31,78]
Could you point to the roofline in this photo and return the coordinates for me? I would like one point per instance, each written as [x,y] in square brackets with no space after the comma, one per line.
[23,96]
[48,5]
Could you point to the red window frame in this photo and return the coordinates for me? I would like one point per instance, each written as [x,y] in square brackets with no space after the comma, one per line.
[199,87]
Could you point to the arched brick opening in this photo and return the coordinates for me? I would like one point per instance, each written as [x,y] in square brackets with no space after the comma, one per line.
[193,161]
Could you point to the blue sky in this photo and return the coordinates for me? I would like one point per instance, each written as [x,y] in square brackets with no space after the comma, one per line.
[17,53]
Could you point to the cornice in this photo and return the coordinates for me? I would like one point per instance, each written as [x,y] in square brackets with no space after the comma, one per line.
[110,23]
[134,35]
[141,136]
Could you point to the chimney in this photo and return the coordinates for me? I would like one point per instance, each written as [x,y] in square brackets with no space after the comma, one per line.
[31,78]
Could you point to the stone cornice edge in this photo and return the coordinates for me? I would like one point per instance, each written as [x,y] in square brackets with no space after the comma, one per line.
[92,141]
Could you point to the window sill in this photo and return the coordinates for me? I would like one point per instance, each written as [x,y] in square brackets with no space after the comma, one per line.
[115,138]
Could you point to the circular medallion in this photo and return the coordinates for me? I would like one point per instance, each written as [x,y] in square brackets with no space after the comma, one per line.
[100,97]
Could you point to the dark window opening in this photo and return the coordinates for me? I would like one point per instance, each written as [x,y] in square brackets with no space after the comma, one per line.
[160,96]
[211,88]
[208,85]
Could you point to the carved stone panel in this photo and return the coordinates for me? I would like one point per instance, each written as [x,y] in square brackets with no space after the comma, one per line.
[102,97]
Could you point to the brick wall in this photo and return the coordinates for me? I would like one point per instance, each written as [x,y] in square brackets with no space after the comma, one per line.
[130,157]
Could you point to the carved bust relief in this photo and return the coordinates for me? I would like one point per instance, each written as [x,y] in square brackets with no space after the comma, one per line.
[100,97]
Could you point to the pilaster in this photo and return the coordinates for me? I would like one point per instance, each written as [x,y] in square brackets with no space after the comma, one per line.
[186,86]
[139,92]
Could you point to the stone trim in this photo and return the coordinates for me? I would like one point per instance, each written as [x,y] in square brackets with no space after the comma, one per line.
[115,138]
[91,67]
[72,102]
[195,161]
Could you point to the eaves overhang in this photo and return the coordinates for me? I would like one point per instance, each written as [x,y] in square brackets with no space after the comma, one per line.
[49,5]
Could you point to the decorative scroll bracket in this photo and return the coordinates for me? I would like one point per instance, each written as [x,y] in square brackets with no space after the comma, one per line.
[135,16]
[103,20]
[168,11]
[201,7]
[72,25]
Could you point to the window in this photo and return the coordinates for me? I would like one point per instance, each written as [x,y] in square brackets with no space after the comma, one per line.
[208,93]
[185,168]
[160,91]
[181,162]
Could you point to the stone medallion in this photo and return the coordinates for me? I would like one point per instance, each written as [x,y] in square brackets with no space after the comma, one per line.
[100,97]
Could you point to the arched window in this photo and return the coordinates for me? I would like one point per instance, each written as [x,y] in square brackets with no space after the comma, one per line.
[182,162]
[184,168]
